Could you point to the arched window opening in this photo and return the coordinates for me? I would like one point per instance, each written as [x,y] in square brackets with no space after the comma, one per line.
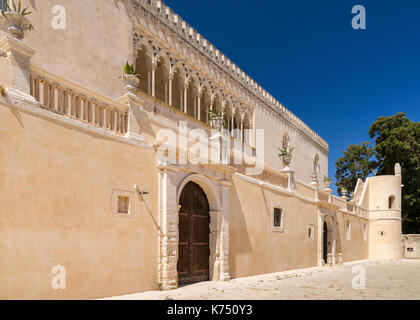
[161,80]
[143,66]
[236,126]
[247,130]
[228,115]
[391,202]
[204,104]
[191,99]
[348,230]
[177,90]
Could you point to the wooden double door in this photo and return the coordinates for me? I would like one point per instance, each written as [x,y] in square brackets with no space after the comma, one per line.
[194,230]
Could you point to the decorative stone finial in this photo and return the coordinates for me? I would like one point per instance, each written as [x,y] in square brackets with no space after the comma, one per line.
[397,169]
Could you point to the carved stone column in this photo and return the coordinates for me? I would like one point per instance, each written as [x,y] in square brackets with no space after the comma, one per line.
[170,79]
[224,230]
[154,67]
[232,127]
[200,93]
[186,85]
[168,222]
[215,231]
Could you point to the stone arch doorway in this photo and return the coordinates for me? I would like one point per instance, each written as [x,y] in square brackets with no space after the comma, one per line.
[194,234]
[327,238]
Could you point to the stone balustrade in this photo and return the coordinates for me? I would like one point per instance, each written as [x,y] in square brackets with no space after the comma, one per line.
[62,97]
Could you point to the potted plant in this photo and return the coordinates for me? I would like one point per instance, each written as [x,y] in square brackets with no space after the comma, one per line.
[286,154]
[15,21]
[327,182]
[131,78]
[217,118]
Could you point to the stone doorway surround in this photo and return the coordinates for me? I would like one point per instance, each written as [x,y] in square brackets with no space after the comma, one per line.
[328,216]
[171,181]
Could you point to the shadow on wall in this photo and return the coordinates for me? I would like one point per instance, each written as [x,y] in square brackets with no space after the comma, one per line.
[239,237]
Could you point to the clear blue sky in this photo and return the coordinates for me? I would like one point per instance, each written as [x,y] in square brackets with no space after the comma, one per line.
[306,54]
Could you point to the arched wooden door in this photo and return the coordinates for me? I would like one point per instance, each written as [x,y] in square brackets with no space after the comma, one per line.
[194,229]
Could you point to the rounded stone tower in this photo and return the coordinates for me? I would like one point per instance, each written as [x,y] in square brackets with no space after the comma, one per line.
[385,228]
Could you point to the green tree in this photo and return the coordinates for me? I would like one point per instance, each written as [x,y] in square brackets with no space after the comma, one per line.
[357,163]
[398,141]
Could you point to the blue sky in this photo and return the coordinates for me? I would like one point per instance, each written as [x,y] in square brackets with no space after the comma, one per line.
[306,54]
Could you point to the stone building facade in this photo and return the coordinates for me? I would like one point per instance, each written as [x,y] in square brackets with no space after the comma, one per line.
[117,186]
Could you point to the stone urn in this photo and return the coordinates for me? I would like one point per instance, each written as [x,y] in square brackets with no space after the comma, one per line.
[131,82]
[327,184]
[287,160]
[15,23]
[217,123]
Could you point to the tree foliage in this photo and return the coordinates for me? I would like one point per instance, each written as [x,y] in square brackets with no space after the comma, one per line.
[357,163]
[397,140]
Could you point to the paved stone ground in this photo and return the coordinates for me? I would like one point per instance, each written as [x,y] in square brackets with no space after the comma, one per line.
[395,279]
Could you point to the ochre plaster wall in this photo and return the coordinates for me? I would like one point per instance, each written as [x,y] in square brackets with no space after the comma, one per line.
[254,247]
[356,248]
[56,185]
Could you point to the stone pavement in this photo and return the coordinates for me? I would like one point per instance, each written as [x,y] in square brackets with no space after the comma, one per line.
[395,279]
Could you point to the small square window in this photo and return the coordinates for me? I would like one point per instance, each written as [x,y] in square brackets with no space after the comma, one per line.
[123,204]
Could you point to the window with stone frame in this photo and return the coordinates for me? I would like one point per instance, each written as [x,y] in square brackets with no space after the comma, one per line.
[277,218]
[123,204]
